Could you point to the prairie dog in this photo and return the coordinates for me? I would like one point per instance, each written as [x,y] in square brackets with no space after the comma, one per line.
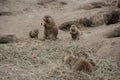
[34,33]
[74,32]
[75,63]
[50,28]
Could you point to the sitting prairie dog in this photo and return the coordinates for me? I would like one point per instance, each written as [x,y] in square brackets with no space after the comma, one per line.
[34,33]
[74,31]
[77,64]
[50,28]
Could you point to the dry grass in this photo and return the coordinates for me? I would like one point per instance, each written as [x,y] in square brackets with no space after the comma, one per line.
[37,60]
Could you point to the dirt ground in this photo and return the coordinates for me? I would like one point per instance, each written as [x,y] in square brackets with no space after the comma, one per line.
[30,59]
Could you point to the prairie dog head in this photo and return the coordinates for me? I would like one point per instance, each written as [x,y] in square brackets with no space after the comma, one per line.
[69,58]
[68,53]
[36,31]
[48,19]
[73,28]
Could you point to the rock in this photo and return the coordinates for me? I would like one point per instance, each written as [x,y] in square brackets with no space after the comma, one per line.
[7,37]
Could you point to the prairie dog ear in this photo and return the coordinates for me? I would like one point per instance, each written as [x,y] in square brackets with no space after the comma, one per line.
[68,53]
